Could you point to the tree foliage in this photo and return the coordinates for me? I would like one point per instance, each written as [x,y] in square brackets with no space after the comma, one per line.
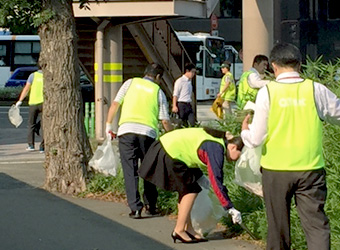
[23,17]
[20,15]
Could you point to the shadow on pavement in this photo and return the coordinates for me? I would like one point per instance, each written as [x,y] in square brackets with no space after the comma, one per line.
[32,219]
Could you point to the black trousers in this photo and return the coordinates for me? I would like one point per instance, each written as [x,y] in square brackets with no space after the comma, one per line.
[310,191]
[132,148]
[186,114]
[34,124]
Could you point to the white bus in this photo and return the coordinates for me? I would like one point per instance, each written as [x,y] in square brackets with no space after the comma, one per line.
[17,51]
[208,53]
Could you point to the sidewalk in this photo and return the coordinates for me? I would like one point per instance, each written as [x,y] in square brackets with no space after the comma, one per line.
[12,153]
[33,219]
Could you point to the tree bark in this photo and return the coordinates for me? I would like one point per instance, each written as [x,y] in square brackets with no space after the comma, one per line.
[67,149]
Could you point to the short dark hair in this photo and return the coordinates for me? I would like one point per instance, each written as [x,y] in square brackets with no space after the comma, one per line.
[226,64]
[154,69]
[260,58]
[222,134]
[286,55]
[238,142]
[189,67]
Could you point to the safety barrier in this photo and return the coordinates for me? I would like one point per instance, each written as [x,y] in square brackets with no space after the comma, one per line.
[89,119]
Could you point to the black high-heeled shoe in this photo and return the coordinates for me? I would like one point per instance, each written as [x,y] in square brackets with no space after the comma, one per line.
[197,239]
[176,236]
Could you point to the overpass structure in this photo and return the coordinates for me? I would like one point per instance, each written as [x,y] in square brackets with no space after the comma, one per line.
[117,39]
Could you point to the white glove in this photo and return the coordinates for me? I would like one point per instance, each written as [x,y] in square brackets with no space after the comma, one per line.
[204,182]
[235,215]
[18,104]
[109,131]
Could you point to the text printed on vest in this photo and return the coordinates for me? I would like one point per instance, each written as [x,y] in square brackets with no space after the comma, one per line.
[285,102]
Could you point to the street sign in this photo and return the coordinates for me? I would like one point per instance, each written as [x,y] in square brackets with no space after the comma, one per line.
[214,22]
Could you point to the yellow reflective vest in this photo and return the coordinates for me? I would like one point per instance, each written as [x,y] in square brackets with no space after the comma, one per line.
[36,95]
[140,104]
[183,144]
[230,93]
[245,92]
[294,138]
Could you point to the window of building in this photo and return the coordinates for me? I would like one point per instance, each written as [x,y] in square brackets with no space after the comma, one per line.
[231,8]
[333,11]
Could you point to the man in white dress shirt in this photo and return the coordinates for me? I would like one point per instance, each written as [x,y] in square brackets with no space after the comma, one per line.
[251,81]
[181,101]
[288,122]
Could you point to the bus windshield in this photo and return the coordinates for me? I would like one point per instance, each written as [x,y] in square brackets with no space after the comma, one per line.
[215,58]
[192,47]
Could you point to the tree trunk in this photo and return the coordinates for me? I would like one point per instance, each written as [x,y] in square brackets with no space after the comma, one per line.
[67,149]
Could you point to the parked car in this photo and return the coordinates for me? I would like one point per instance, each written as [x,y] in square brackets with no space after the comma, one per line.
[87,89]
[20,76]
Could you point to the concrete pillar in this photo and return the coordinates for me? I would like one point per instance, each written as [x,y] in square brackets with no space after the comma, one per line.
[108,73]
[257,29]
[98,79]
[113,68]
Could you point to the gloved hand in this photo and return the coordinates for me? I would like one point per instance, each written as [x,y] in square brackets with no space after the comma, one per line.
[235,215]
[109,131]
[204,182]
[18,104]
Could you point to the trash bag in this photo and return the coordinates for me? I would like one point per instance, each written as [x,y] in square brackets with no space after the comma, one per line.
[14,116]
[175,120]
[247,170]
[106,158]
[206,212]
[217,107]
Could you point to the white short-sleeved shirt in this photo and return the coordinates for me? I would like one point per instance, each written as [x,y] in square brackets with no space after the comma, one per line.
[255,80]
[183,89]
[137,128]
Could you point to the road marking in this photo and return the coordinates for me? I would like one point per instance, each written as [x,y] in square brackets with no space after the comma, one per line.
[19,162]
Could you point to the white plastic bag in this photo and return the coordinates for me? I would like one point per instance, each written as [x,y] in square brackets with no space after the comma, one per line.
[206,212]
[106,158]
[14,116]
[247,170]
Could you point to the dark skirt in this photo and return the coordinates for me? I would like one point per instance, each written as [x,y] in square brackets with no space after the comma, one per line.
[167,173]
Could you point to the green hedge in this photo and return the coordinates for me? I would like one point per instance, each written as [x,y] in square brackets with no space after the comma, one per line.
[10,94]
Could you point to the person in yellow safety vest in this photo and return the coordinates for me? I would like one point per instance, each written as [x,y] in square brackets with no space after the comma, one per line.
[143,104]
[251,81]
[227,88]
[288,123]
[34,86]
[173,163]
